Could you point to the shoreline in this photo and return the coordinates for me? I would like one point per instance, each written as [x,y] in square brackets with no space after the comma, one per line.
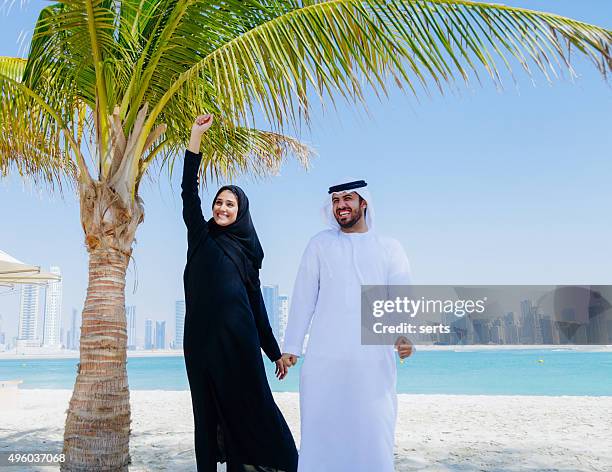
[12,355]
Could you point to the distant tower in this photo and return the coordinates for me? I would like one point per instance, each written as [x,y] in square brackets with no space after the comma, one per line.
[270,296]
[28,314]
[2,336]
[53,311]
[75,330]
[130,314]
[531,331]
[179,324]
[512,328]
[160,335]
[283,315]
[148,334]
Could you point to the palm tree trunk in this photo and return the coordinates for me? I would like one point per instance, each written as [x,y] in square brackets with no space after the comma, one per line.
[97,430]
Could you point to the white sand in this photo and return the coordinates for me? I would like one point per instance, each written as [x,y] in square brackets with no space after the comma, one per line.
[434,432]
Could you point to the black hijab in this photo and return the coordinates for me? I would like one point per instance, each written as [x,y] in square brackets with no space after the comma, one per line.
[239,240]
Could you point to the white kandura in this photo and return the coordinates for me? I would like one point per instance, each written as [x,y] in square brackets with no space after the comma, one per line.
[348,402]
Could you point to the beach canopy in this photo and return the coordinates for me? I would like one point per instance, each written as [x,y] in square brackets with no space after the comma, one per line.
[13,271]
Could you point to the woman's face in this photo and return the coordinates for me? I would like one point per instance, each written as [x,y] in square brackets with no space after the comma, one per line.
[225,208]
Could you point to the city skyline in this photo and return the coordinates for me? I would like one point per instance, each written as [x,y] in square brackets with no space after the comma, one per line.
[529,326]
[154,333]
[34,321]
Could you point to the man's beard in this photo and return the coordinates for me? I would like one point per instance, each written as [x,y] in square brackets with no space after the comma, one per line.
[352,222]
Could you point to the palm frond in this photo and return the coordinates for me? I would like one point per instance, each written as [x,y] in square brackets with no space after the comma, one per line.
[32,139]
[237,58]
[229,152]
[75,47]
[334,47]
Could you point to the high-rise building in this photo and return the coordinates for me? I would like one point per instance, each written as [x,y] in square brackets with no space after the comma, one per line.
[148,344]
[179,323]
[511,329]
[2,335]
[482,331]
[495,331]
[28,315]
[447,319]
[270,297]
[53,311]
[531,331]
[546,324]
[130,314]
[74,334]
[160,335]
[463,328]
[283,316]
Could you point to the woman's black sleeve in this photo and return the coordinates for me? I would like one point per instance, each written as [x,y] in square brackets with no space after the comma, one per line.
[264,330]
[192,209]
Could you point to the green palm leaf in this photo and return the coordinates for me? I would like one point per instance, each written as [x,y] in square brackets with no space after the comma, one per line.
[30,138]
[239,59]
[229,151]
[333,47]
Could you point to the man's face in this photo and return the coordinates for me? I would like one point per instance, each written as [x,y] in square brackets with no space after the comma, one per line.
[347,208]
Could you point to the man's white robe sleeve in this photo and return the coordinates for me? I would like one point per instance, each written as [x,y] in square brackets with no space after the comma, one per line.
[303,301]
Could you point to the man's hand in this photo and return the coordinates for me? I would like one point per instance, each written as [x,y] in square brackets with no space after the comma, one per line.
[290,358]
[404,347]
[200,125]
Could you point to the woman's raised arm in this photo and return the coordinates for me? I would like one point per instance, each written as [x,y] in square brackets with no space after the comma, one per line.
[192,206]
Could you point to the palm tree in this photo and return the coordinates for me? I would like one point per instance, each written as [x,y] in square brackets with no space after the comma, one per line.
[129,76]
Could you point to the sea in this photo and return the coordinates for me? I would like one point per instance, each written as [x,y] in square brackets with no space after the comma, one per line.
[549,372]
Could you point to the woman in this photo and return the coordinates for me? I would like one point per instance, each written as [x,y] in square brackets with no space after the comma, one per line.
[226,325]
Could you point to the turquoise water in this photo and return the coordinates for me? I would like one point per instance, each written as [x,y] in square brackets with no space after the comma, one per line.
[501,372]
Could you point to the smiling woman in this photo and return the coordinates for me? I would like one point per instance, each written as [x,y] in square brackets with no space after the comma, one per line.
[226,326]
[225,206]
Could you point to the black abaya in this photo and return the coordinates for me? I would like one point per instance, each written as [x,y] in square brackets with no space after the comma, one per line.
[226,326]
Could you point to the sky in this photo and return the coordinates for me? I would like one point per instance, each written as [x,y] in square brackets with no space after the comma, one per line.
[480,186]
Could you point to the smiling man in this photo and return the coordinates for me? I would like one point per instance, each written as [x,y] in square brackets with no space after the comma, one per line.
[347,390]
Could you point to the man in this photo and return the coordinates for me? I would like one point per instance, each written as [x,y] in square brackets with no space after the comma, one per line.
[348,402]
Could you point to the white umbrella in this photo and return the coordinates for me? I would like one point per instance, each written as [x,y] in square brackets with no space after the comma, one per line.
[13,271]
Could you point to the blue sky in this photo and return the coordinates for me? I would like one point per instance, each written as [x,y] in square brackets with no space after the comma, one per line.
[479,186]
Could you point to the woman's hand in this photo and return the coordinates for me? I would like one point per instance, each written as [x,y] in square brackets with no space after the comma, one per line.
[200,125]
[282,367]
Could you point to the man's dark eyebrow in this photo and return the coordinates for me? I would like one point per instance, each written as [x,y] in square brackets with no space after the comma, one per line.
[350,195]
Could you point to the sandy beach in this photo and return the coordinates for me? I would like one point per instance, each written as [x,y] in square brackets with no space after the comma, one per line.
[434,432]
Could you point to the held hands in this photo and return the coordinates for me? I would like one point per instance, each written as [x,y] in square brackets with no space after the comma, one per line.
[200,125]
[283,364]
[290,359]
[404,348]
